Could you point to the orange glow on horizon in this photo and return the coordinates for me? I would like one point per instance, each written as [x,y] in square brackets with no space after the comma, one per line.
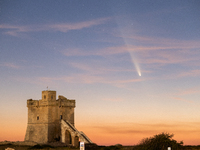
[111,133]
[133,134]
[101,137]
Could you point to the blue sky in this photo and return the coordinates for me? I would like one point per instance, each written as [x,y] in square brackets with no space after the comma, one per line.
[128,64]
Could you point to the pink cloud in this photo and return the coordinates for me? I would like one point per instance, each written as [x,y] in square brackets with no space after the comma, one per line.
[65,27]
[193,73]
[10,65]
[164,43]
[14,30]
[183,100]
[190,91]
[176,53]
[88,79]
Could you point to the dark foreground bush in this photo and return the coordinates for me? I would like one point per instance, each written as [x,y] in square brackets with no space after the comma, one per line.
[112,147]
[159,142]
[38,146]
[91,146]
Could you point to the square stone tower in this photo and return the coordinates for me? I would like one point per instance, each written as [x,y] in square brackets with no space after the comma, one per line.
[44,117]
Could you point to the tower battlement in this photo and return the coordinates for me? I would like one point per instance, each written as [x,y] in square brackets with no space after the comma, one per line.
[49,99]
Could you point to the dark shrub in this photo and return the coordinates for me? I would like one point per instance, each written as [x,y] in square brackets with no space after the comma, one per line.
[91,146]
[38,146]
[159,142]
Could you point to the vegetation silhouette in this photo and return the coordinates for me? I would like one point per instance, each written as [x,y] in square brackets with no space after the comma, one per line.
[159,142]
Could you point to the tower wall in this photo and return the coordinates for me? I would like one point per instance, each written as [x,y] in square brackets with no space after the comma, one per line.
[37,128]
[66,109]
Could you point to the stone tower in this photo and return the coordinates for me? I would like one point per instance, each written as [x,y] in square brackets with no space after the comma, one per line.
[45,115]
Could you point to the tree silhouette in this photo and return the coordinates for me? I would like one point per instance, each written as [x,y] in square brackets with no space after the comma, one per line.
[160,142]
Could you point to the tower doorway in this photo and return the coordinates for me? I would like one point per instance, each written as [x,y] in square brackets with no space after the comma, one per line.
[68,138]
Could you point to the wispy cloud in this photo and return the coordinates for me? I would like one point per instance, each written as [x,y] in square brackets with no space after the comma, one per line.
[87,79]
[189,91]
[145,129]
[151,50]
[150,57]
[75,78]
[15,30]
[10,65]
[163,52]
[65,27]
[84,78]
[103,74]
[193,73]
[183,100]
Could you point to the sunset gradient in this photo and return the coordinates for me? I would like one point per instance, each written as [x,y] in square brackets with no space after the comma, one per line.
[133,67]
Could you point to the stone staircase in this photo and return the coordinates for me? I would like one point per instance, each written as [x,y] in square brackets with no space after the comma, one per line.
[65,125]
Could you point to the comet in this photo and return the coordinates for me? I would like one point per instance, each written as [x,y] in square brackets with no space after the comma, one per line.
[134,61]
[139,74]
[127,42]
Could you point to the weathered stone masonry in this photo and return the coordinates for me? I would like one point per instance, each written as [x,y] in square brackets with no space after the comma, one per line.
[51,120]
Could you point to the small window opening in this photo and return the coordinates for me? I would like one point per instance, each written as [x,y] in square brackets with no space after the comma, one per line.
[37,117]
[51,96]
[60,117]
[44,96]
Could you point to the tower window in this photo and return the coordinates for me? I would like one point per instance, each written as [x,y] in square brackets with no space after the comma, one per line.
[44,96]
[37,117]
[60,117]
[51,96]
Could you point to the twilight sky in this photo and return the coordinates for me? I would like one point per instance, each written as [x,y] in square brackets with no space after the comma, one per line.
[132,66]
